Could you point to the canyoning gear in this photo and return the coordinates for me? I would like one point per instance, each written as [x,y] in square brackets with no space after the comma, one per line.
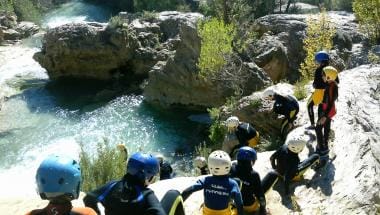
[247,135]
[62,209]
[251,187]
[218,192]
[330,72]
[172,203]
[160,158]
[143,166]
[321,56]
[231,210]
[288,107]
[232,122]
[200,162]
[58,175]
[166,171]
[288,165]
[326,111]
[128,194]
[246,153]
[269,93]
[219,163]
[295,144]
[317,96]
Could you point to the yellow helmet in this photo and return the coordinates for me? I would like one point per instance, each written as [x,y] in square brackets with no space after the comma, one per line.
[330,72]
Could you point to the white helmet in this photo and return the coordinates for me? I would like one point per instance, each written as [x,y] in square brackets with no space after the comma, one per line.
[269,93]
[219,163]
[159,157]
[232,122]
[200,162]
[295,144]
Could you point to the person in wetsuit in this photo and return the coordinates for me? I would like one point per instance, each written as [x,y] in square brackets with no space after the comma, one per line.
[326,111]
[166,170]
[287,163]
[130,194]
[239,134]
[58,180]
[252,189]
[283,105]
[218,189]
[322,58]
[200,164]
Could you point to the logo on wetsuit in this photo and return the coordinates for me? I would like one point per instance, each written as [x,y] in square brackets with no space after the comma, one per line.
[220,190]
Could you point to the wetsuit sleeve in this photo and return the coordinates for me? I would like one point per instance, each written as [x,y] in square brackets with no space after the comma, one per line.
[91,198]
[259,193]
[197,186]
[236,195]
[333,95]
[273,158]
[154,207]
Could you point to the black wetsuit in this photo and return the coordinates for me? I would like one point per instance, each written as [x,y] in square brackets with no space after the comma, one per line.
[166,171]
[251,184]
[125,196]
[244,132]
[323,131]
[288,165]
[318,83]
[284,105]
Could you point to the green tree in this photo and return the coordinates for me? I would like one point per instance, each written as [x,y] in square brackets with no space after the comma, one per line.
[319,35]
[216,39]
[368,14]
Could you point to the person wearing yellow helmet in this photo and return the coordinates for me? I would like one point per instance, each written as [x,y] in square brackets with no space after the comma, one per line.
[326,111]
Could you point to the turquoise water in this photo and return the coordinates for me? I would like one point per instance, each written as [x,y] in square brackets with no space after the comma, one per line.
[36,121]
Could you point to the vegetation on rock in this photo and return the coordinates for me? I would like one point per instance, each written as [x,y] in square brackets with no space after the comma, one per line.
[319,35]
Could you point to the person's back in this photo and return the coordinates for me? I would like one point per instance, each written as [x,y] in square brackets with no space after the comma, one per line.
[58,180]
[284,161]
[124,195]
[218,189]
[131,193]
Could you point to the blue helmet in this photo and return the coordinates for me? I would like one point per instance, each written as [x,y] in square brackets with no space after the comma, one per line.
[321,56]
[246,153]
[143,166]
[58,175]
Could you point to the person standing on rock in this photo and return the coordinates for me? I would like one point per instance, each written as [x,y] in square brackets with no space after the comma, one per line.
[129,195]
[326,111]
[218,189]
[239,134]
[252,188]
[283,105]
[58,180]
[322,58]
[287,163]
[166,170]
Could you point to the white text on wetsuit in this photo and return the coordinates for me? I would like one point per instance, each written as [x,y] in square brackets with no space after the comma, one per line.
[220,190]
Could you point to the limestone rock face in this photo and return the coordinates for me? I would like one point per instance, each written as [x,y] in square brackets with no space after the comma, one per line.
[85,50]
[281,49]
[350,182]
[176,81]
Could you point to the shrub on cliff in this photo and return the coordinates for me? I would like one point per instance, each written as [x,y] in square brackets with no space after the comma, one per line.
[368,14]
[107,164]
[319,35]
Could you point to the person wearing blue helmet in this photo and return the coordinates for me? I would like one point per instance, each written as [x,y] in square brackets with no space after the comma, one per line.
[252,189]
[131,193]
[58,180]
[322,58]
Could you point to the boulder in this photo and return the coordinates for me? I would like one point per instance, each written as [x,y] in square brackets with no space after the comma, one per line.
[176,81]
[281,40]
[86,50]
[27,29]
[11,34]
[8,20]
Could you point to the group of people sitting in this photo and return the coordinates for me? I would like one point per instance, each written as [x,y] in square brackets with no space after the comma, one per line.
[59,178]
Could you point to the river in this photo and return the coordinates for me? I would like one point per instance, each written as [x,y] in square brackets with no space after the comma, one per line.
[36,121]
